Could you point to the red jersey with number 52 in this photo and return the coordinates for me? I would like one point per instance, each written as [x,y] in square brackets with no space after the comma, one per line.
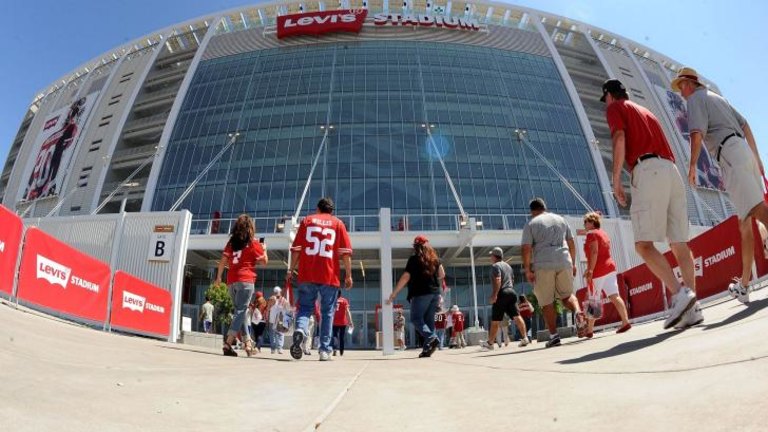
[242,263]
[321,240]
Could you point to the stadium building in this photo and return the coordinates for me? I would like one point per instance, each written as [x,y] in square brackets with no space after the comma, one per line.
[453,115]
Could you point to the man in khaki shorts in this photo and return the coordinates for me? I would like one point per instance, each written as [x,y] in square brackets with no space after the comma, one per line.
[548,238]
[729,139]
[659,210]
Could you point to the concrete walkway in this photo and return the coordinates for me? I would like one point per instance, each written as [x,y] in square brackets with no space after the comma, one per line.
[60,377]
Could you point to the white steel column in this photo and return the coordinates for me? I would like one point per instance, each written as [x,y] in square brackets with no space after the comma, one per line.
[385,255]
[472,228]
[598,53]
[124,116]
[177,279]
[170,122]
[597,160]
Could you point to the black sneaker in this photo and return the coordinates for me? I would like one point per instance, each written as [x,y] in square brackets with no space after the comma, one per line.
[432,346]
[296,350]
[228,351]
[553,342]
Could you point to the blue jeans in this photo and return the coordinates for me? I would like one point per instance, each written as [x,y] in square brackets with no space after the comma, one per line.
[423,309]
[308,293]
[440,337]
[276,339]
[241,293]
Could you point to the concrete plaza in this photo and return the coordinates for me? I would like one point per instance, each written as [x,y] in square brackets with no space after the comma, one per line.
[63,377]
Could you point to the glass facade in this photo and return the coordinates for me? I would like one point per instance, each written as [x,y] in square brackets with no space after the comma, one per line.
[380,97]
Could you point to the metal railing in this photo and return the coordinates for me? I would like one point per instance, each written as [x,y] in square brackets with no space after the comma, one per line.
[370,223]
[144,122]
[131,153]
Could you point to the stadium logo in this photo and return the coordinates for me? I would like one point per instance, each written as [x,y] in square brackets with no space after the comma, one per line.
[425,21]
[317,23]
[53,272]
[133,302]
[138,303]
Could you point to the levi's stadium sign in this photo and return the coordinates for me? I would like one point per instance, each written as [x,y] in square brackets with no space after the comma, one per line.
[316,23]
[439,21]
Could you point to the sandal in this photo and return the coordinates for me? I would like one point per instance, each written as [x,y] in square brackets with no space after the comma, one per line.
[581,324]
[248,348]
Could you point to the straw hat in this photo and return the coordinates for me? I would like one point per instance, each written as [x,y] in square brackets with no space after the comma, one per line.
[685,73]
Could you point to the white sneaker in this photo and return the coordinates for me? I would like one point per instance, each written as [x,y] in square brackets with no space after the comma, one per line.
[684,300]
[739,291]
[524,342]
[691,318]
[485,346]
[324,356]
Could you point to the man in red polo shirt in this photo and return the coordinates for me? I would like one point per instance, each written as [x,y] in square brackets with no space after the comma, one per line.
[320,243]
[659,210]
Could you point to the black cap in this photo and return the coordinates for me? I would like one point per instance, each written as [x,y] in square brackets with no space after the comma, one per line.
[612,86]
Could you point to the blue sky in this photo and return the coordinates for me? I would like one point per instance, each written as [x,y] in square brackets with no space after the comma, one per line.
[46,39]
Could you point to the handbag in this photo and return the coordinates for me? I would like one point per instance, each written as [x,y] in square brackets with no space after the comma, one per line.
[593,305]
[525,308]
[283,324]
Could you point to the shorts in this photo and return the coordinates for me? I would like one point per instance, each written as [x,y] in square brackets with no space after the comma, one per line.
[506,303]
[608,284]
[659,208]
[551,283]
[741,175]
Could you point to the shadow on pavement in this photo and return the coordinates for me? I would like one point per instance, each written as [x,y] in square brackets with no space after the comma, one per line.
[624,348]
[748,310]
[218,354]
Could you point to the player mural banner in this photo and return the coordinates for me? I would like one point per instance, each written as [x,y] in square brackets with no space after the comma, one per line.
[716,258]
[56,143]
[60,278]
[140,307]
[707,173]
[10,242]
[610,314]
[644,291]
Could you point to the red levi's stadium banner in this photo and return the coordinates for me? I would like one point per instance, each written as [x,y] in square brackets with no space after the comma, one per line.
[11,229]
[60,278]
[140,307]
[716,258]
[610,314]
[644,291]
[317,23]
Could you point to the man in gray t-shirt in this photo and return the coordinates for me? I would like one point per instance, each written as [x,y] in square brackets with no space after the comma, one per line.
[503,298]
[729,139]
[548,240]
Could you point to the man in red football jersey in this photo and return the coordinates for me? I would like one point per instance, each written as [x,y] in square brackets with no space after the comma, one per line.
[320,242]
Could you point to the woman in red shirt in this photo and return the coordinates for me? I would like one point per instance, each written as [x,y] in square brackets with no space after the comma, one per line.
[341,319]
[601,269]
[242,253]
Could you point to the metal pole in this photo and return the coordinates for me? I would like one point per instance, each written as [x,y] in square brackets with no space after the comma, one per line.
[521,136]
[113,262]
[188,190]
[312,171]
[61,201]
[445,171]
[124,182]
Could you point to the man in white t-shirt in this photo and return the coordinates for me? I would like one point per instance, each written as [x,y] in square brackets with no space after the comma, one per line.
[206,314]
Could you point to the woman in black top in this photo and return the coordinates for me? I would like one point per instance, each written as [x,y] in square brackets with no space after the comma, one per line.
[424,275]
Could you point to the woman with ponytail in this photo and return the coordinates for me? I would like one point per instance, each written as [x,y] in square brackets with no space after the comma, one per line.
[243,252]
[424,275]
